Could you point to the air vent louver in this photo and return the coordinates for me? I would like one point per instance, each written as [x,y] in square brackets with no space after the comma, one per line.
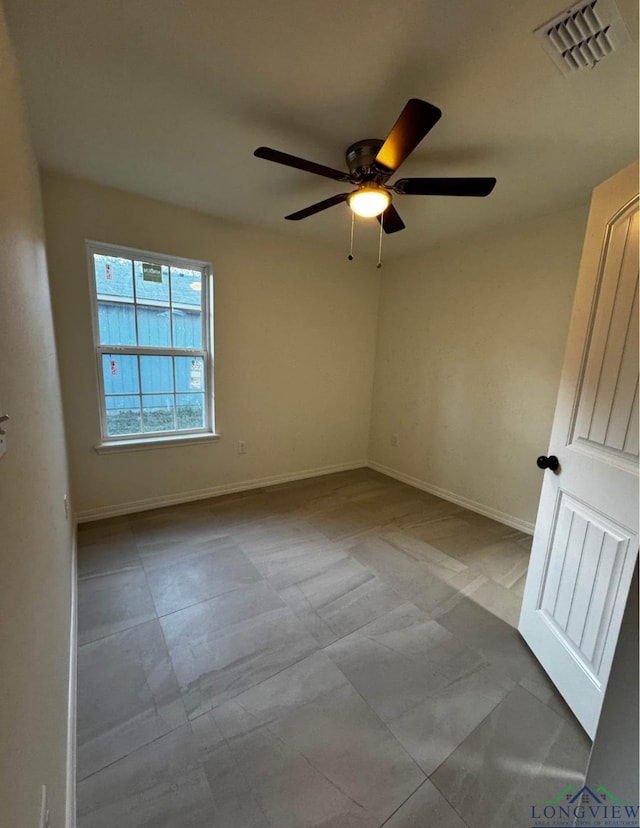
[583,35]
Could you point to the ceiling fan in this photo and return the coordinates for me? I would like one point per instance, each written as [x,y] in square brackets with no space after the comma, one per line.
[372,162]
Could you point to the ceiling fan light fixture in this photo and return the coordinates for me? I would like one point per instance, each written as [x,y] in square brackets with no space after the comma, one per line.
[369,201]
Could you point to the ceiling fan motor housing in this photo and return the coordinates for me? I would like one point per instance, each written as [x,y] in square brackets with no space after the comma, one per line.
[361,158]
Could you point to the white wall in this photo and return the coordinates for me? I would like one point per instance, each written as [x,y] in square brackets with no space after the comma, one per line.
[35,538]
[470,345]
[295,340]
[470,340]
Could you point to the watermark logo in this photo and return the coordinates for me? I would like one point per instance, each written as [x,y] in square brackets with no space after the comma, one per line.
[585,807]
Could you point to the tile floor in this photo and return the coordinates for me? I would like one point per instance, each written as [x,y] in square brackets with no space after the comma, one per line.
[337,652]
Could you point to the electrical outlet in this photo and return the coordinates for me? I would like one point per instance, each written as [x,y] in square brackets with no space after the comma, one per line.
[394,439]
[44,810]
[242,447]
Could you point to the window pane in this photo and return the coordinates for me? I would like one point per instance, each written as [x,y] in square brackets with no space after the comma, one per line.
[145,306]
[117,323]
[153,326]
[186,287]
[186,299]
[190,410]
[120,374]
[113,277]
[158,412]
[152,283]
[187,328]
[156,373]
[190,374]
[123,416]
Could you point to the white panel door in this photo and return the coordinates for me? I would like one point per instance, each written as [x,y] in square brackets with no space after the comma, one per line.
[586,536]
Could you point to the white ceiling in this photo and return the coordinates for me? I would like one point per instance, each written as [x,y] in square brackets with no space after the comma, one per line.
[169,98]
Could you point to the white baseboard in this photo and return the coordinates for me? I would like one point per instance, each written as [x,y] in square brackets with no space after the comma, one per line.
[201,494]
[480,508]
[229,488]
[70,815]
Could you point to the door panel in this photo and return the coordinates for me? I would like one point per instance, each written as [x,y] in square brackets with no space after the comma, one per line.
[586,537]
[584,567]
[606,398]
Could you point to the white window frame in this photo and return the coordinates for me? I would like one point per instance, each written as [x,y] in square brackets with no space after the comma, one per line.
[145,440]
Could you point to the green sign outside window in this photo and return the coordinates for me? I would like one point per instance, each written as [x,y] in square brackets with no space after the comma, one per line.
[151,272]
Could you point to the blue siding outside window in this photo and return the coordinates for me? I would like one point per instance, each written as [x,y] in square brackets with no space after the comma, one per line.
[141,305]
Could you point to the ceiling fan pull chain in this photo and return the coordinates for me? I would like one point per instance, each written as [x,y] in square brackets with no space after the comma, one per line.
[353,218]
[379,265]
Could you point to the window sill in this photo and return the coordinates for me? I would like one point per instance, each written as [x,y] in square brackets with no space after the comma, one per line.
[118,446]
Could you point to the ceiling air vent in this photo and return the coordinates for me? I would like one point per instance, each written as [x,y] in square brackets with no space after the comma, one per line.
[583,35]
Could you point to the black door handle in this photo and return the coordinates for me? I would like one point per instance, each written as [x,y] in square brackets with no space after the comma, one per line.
[550,462]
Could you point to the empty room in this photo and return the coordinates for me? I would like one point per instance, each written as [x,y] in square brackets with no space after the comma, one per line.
[318,414]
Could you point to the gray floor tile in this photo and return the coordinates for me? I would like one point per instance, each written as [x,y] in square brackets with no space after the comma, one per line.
[102,529]
[524,540]
[240,720]
[236,806]
[393,565]
[289,789]
[523,752]
[384,506]
[543,689]
[162,552]
[518,587]
[261,537]
[426,808]
[343,521]
[298,501]
[458,534]
[361,484]
[179,524]
[401,658]
[430,586]
[307,616]
[223,646]
[435,727]
[422,551]
[431,508]
[128,695]
[284,567]
[102,555]
[393,662]
[496,600]
[345,595]
[112,601]
[241,510]
[498,642]
[505,561]
[313,711]
[342,737]
[162,785]
[212,568]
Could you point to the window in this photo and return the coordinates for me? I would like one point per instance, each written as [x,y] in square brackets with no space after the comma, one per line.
[153,331]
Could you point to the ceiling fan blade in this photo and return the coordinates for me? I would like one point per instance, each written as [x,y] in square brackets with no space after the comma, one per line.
[415,120]
[445,186]
[317,208]
[300,163]
[390,220]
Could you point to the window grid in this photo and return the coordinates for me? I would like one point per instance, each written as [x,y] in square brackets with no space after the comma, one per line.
[204,394]
[177,394]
